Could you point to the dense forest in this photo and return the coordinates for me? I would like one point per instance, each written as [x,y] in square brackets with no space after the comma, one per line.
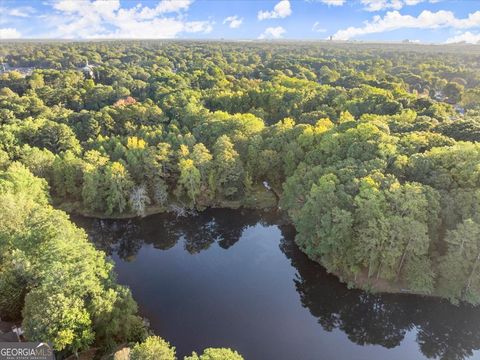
[371,150]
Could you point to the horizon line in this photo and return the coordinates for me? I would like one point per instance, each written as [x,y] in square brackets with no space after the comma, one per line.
[396,42]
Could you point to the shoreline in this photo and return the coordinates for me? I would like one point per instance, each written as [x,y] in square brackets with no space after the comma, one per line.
[362,282]
[260,199]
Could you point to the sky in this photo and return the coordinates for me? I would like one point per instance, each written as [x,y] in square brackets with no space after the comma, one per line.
[425,21]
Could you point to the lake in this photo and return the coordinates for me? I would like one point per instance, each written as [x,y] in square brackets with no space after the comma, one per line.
[235,278]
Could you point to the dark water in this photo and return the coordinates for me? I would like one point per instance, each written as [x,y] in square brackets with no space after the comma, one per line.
[236,279]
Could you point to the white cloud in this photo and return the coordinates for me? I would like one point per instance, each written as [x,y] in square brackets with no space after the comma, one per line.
[281,10]
[393,20]
[272,33]
[333,2]
[233,21]
[379,5]
[164,7]
[107,19]
[468,37]
[413,2]
[10,33]
[198,26]
[317,27]
[22,11]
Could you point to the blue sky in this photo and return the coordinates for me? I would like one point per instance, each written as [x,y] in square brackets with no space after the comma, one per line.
[428,21]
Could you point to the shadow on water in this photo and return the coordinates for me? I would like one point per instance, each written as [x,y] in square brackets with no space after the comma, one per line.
[443,331]
[199,231]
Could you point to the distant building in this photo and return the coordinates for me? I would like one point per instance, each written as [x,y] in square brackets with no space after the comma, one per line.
[25,71]
[88,70]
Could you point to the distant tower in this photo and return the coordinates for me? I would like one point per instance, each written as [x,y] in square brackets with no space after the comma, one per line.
[331,37]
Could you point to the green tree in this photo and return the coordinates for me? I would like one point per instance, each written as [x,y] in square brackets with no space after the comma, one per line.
[215,354]
[202,159]
[189,181]
[117,185]
[453,91]
[420,275]
[58,319]
[153,348]
[67,173]
[371,225]
[324,225]
[408,219]
[460,267]
[228,169]
[114,318]
[50,269]
[15,275]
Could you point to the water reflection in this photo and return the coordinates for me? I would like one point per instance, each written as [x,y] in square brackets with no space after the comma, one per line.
[442,330]
[199,231]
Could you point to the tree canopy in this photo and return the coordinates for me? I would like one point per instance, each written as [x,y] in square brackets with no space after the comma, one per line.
[372,151]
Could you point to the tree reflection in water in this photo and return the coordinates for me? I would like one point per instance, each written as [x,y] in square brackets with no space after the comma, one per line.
[444,331]
[198,232]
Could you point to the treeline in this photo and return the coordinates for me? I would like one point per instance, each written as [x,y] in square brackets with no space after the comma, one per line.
[369,210]
[373,152]
[62,289]
[51,276]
